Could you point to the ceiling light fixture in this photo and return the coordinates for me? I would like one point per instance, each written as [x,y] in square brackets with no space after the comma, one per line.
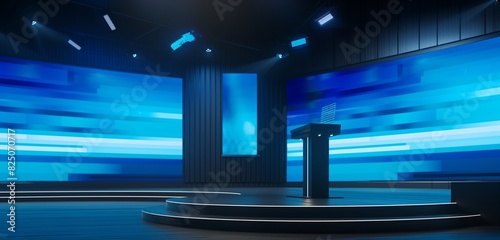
[282,55]
[187,37]
[299,42]
[75,45]
[325,18]
[110,23]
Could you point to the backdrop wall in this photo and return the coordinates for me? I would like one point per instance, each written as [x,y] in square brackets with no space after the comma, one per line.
[85,124]
[426,117]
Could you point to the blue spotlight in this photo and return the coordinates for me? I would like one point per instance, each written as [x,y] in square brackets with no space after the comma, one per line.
[299,42]
[134,55]
[33,23]
[208,50]
[282,55]
[187,37]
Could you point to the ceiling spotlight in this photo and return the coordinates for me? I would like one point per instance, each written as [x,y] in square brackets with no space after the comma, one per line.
[110,23]
[208,50]
[187,37]
[134,55]
[324,19]
[33,23]
[282,55]
[299,42]
[74,44]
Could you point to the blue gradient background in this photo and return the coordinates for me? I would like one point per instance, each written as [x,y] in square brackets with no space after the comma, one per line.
[239,114]
[83,124]
[433,116]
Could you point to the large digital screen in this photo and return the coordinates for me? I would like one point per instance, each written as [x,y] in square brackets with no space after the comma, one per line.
[239,114]
[432,116]
[69,123]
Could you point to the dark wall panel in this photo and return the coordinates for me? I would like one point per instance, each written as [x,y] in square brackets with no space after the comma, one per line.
[388,40]
[371,51]
[388,37]
[448,22]
[408,27]
[339,57]
[492,18]
[472,19]
[203,125]
[428,25]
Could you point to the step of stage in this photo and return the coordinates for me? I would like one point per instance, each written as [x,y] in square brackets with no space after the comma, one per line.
[109,195]
[284,214]
[228,207]
[160,215]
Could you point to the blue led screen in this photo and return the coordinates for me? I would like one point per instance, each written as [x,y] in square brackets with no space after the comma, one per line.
[83,124]
[432,116]
[239,114]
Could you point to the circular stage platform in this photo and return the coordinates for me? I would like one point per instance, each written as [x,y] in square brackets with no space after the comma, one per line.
[369,211]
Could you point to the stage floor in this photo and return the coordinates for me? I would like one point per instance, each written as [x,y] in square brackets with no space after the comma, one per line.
[349,196]
[120,217]
[348,210]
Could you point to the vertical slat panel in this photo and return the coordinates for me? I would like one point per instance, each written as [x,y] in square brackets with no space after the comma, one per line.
[472,19]
[197,132]
[492,13]
[448,22]
[204,121]
[408,36]
[346,50]
[388,40]
[218,123]
[388,35]
[428,25]
[203,156]
[212,111]
[340,58]
[371,51]
[185,131]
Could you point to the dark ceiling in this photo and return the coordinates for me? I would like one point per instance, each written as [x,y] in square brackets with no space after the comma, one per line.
[151,25]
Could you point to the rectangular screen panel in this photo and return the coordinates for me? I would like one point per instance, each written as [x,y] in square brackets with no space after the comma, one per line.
[239,114]
[83,124]
[433,116]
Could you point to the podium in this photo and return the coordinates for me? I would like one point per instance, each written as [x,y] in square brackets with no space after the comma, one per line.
[316,138]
